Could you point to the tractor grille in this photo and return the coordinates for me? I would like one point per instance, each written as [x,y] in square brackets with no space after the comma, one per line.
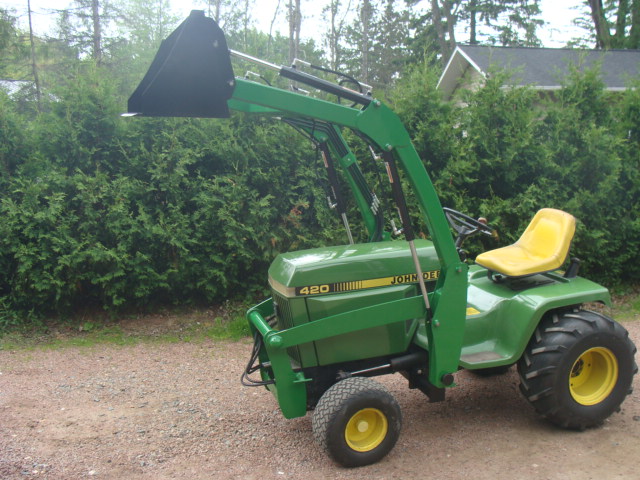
[285,320]
[283,311]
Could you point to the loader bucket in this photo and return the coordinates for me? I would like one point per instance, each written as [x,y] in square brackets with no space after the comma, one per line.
[191,75]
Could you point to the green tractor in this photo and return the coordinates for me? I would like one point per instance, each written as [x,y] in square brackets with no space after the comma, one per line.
[340,315]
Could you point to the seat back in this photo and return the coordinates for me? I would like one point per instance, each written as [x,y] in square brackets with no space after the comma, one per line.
[543,246]
[549,234]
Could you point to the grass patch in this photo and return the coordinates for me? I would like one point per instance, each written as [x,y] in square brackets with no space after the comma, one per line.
[225,322]
[98,335]
[626,303]
[234,329]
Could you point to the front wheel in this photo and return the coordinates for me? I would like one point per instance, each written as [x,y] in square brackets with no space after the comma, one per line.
[578,368]
[357,421]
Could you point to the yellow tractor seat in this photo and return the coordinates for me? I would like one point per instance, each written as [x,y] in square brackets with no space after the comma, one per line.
[543,246]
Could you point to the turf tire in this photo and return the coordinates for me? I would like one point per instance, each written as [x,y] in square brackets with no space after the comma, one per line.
[551,362]
[343,402]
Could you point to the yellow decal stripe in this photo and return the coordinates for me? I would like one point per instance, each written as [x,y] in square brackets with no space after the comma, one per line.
[358,285]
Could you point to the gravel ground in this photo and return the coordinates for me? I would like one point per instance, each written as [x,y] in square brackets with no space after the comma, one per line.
[163,411]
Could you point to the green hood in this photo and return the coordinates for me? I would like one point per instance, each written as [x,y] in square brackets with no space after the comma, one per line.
[350,267]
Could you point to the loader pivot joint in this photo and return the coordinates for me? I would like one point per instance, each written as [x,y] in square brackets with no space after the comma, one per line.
[447,379]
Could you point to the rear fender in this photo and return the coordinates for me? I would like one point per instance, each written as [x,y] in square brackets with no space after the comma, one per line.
[510,318]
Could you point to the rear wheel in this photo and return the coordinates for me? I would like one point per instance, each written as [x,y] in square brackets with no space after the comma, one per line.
[357,421]
[577,368]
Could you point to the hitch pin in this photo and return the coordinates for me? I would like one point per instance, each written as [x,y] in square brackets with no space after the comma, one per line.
[300,90]
[374,154]
[297,61]
[396,231]
[249,73]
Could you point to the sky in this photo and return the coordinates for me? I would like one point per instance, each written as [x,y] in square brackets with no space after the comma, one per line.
[557,13]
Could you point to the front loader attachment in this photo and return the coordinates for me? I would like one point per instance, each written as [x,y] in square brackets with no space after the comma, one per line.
[191,75]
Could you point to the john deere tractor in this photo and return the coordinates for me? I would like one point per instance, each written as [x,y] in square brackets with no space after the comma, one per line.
[340,315]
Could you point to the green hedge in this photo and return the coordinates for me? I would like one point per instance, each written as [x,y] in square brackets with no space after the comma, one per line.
[507,152]
[115,213]
[109,212]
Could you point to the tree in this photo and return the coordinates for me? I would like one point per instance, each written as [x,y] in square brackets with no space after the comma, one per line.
[147,23]
[12,51]
[21,58]
[142,27]
[229,14]
[504,22]
[513,21]
[233,16]
[359,39]
[34,67]
[376,43]
[273,20]
[615,23]
[97,31]
[7,29]
[336,17]
[366,15]
[83,27]
[294,16]
[390,44]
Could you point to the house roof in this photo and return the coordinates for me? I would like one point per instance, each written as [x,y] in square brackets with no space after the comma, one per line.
[542,68]
[14,86]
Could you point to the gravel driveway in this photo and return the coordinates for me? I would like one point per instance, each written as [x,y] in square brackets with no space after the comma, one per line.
[177,410]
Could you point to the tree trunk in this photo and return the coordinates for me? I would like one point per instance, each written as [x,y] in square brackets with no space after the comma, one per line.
[365,18]
[245,25]
[34,67]
[295,22]
[333,34]
[445,33]
[634,32]
[216,12]
[603,35]
[273,21]
[621,22]
[97,31]
[472,22]
[451,25]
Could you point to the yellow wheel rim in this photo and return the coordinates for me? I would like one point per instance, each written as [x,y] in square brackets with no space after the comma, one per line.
[593,376]
[366,429]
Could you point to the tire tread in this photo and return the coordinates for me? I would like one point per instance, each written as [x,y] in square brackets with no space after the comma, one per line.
[545,365]
[331,407]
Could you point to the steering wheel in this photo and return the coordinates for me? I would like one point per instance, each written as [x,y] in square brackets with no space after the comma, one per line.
[465,226]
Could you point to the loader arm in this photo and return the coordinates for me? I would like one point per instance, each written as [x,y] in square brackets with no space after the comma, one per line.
[385,130]
[376,122]
[197,50]
[366,201]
